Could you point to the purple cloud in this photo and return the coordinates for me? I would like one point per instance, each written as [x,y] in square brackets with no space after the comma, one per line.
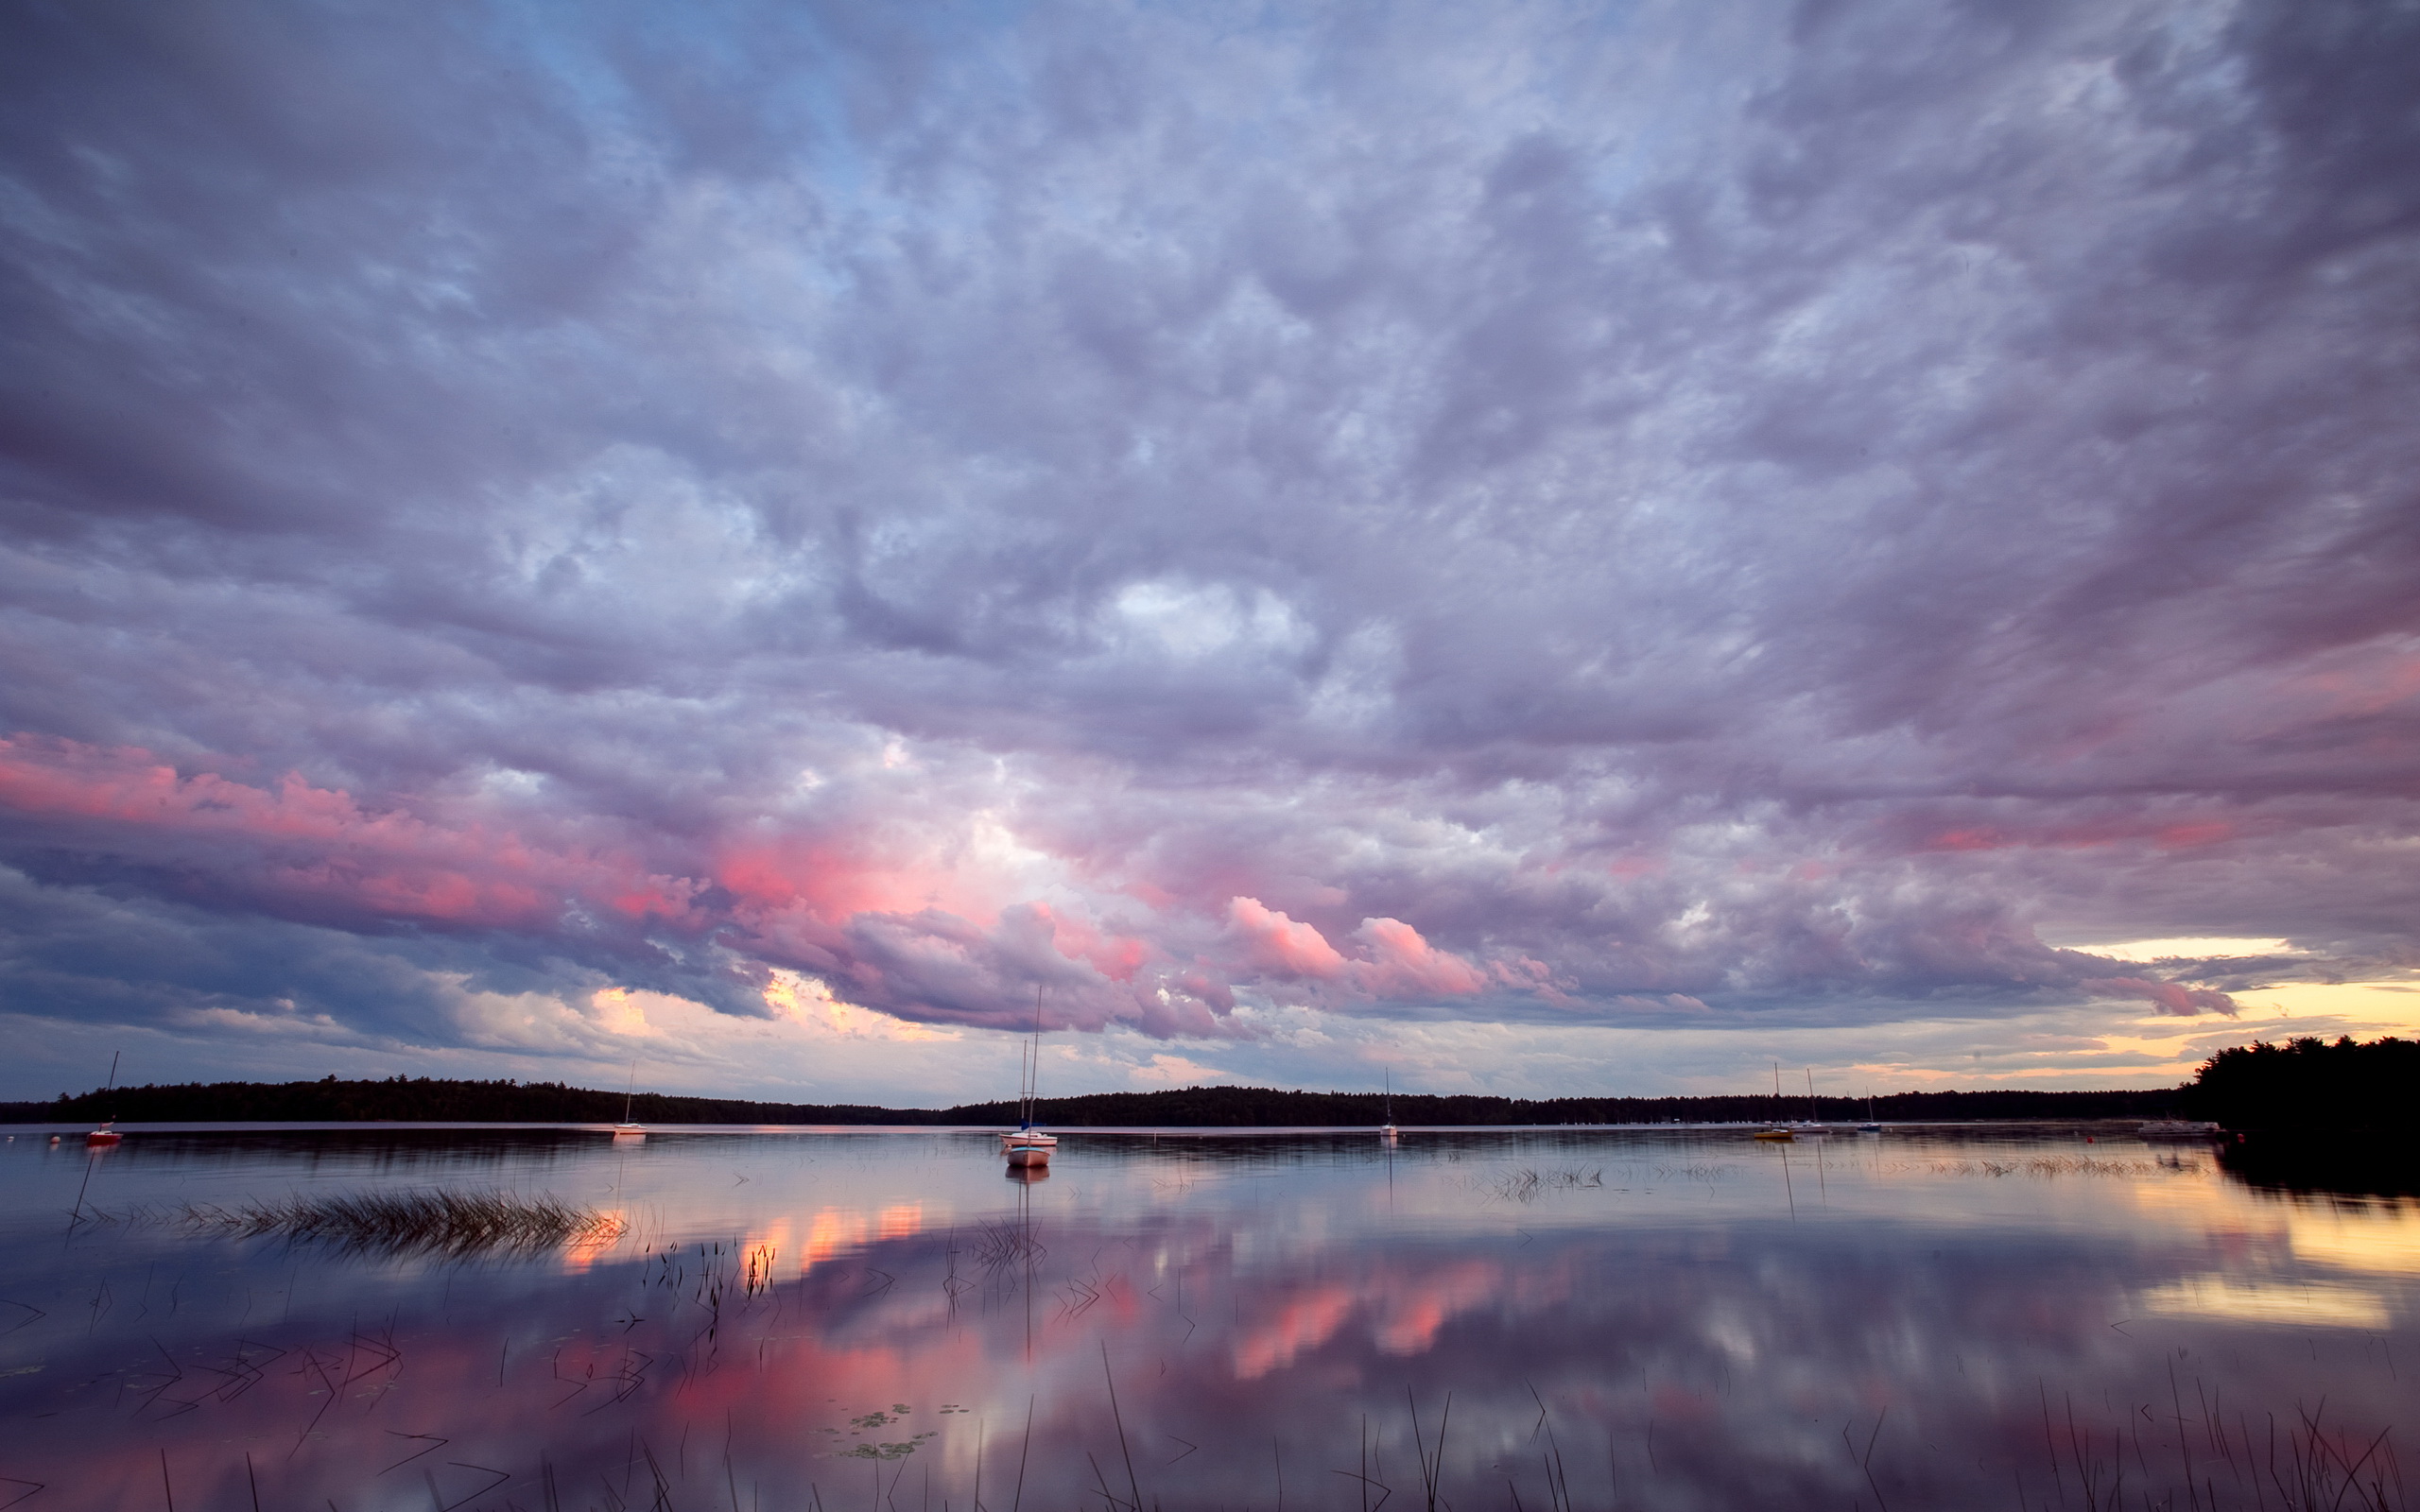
[1563,516]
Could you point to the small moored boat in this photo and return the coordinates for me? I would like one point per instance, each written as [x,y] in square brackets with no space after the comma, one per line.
[1025,1145]
[1812,1123]
[1777,1131]
[1028,1146]
[626,1129]
[105,1136]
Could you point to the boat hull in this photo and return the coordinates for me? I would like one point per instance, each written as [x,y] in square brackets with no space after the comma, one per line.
[1029,1155]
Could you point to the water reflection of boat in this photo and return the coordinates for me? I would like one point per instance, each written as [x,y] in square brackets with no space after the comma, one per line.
[1029,1175]
[2178,1129]
[1026,1145]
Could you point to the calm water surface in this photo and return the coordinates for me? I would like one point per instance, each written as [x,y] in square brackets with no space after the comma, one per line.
[1667,1319]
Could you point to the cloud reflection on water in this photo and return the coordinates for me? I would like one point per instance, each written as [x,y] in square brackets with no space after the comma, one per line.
[1675,1333]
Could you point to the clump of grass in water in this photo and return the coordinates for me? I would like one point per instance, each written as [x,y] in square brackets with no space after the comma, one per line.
[1000,1245]
[1524,1184]
[456,1224]
[1705,1171]
[2045,1168]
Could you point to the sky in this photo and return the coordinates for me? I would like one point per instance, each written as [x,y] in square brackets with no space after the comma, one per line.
[1528,548]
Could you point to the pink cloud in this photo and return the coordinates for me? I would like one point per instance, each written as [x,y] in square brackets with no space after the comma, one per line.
[883,918]
[2180,835]
[1401,964]
[318,844]
[828,877]
[1281,945]
[1118,957]
[1392,960]
[2169,997]
[889,918]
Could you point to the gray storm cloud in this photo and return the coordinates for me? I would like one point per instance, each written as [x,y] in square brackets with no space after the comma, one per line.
[1551,514]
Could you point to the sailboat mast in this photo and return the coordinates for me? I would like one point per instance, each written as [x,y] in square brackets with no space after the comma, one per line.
[1033,1058]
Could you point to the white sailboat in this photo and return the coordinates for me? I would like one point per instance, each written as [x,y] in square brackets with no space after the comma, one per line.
[1387,1130]
[1025,1145]
[1777,1131]
[626,1129]
[107,1135]
[1812,1123]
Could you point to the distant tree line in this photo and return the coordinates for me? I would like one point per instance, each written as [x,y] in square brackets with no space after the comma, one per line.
[422,1099]
[2306,1084]
[1247,1107]
[426,1100]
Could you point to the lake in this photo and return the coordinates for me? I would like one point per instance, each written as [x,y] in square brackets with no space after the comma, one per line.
[1540,1318]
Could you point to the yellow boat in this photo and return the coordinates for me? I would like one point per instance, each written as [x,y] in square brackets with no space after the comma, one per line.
[1776,1132]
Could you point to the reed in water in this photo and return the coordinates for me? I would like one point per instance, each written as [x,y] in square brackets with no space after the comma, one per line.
[421,1222]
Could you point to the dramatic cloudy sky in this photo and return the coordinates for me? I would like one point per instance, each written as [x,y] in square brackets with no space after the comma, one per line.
[1549,548]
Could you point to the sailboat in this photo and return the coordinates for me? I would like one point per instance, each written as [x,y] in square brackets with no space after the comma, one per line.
[1387,1130]
[1777,1131]
[626,1129]
[1869,1126]
[1025,1145]
[103,1136]
[1811,1124]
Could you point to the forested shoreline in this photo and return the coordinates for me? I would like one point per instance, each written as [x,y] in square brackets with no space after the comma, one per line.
[429,1100]
[2309,1085]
